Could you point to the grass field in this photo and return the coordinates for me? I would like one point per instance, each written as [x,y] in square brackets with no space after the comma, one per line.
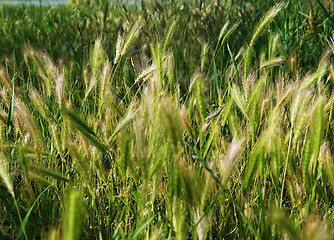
[167,121]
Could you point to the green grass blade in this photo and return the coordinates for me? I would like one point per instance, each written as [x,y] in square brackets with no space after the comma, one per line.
[10,112]
[328,15]
[142,227]
[49,172]
[307,151]
[215,79]
[115,235]
[252,167]
[86,130]
[25,220]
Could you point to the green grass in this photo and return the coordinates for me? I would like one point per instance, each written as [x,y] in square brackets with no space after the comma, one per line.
[167,121]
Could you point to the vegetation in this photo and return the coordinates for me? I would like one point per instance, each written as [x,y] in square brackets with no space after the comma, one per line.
[167,121]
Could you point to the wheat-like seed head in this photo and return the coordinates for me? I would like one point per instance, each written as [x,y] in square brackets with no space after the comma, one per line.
[104,81]
[169,36]
[90,87]
[123,44]
[56,76]
[274,45]
[55,138]
[129,116]
[248,55]
[248,86]
[199,92]
[223,30]
[146,73]
[4,174]
[273,62]
[4,97]
[226,35]
[45,70]
[60,89]
[203,225]
[171,119]
[119,47]
[170,71]
[18,125]
[5,79]
[285,95]
[231,158]
[239,99]
[300,98]
[97,58]
[274,126]
[204,53]
[29,124]
[266,20]
[39,103]
[3,121]
[322,69]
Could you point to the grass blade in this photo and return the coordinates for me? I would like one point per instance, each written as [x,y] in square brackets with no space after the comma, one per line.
[10,112]
[25,220]
[86,130]
[49,172]
[142,227]
[328,15]
[252,167]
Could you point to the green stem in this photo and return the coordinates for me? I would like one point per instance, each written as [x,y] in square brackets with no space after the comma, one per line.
[18,213]
[286,167]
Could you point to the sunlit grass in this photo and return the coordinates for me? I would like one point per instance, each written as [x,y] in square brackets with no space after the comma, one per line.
[148,122]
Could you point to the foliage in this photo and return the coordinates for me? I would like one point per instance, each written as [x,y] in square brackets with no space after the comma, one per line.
[166,120]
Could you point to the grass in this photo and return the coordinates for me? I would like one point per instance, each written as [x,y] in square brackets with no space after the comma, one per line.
[167,120]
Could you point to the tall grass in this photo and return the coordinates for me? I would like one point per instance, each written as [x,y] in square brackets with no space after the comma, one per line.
[152,122]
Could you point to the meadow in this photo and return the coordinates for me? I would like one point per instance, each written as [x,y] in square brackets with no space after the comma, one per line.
[167,120]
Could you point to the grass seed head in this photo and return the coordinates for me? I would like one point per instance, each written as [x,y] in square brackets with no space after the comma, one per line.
[266,20]
[4,76]
[124,44]
[29,125]
[169,36]
[4,174]
[39,103]
[231,158]
[104,81]
[97,58]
